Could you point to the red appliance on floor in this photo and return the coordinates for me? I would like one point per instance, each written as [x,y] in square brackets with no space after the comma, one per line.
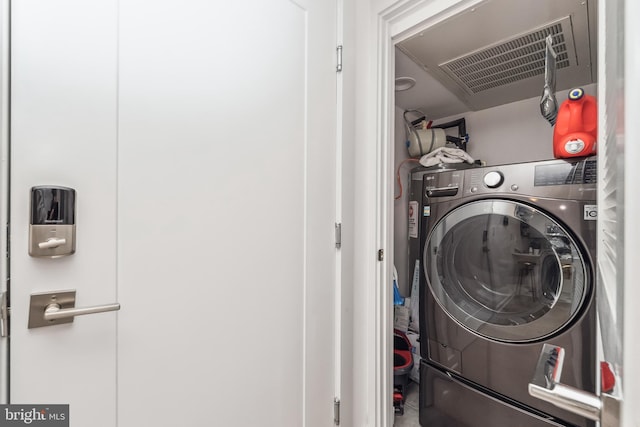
[402,365]
[576,129]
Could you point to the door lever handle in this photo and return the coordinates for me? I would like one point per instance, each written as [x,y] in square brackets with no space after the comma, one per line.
[55,312]
[546,386]
[58,307]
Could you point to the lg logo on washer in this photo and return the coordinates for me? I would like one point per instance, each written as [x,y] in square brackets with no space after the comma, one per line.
[590,212]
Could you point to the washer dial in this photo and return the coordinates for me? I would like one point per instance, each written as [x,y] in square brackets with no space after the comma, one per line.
[493,179]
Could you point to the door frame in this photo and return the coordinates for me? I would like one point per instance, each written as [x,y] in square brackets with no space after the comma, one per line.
[387,23]
[630,253]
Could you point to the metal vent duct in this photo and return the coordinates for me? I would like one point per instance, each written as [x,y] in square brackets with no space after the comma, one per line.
[517,59]
[494,53]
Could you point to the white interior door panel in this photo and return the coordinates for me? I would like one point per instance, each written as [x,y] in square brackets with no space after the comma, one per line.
[200,137]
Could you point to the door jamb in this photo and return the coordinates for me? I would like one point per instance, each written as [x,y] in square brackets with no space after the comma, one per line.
[5,97]
[394,23]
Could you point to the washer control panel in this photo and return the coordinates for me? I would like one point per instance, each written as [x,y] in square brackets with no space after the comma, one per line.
[562,173]
[546,177]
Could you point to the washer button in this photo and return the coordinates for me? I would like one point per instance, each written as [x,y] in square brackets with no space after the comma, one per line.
[514,187]
[474,189]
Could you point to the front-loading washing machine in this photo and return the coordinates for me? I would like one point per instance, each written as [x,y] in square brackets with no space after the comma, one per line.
[507,264]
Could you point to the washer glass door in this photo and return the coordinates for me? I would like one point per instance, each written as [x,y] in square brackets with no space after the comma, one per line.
[506,270]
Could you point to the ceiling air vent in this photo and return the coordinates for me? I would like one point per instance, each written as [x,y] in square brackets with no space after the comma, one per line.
[493,53]
[511,61]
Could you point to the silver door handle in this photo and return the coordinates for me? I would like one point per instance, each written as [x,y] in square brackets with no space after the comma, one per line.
[546,386]
[55,312]
[574,400]
[59,307]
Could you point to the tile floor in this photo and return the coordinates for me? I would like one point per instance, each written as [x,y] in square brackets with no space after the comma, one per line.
[410,417]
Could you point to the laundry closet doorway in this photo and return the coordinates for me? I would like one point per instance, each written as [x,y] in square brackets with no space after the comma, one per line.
[395,23]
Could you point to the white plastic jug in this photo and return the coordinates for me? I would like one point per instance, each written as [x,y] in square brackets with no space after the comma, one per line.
[423,141]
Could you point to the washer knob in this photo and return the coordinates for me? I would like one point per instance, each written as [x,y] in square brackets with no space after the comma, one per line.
[493,179]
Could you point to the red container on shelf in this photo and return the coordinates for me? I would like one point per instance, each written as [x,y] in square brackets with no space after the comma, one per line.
[576,129]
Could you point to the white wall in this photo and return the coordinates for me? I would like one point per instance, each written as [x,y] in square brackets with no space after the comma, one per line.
[512,133]
[401,211]
[365,368]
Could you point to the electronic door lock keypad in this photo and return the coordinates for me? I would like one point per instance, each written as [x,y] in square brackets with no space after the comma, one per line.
[52,229]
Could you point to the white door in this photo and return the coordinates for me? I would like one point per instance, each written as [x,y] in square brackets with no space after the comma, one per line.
[200,139]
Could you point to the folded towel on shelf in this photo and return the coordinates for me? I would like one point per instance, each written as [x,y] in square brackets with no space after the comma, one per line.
[445,155]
